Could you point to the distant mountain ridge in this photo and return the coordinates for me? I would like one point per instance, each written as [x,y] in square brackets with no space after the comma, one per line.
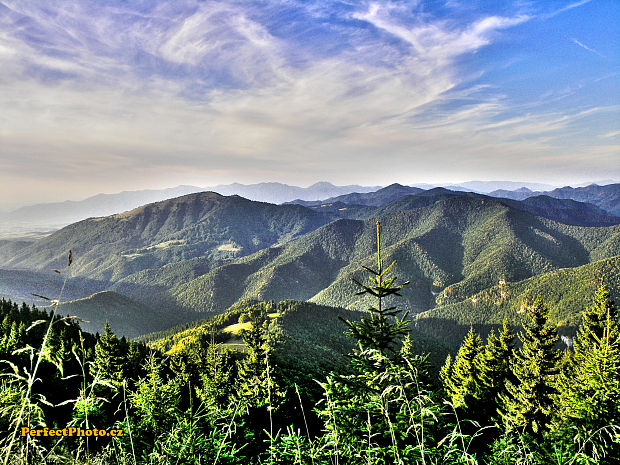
[605,197]
[71,211]
[488,186]
[275,192]
[398,197]
[204,224]
[55,215]
[42,218]
[375,199]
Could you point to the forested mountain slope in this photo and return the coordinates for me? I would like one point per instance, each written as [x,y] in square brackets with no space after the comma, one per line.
[564,291]
[196,225]
[449,250]
[204,252]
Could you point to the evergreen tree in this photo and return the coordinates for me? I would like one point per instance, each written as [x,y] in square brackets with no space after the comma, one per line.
[462,378]
[494,366]
[109,358]
[155,402]
[590,383]
[13,339]
[445,372]
[384,328]
[217,379]
[416,363]
[252,380]
[383,411]
[529,400]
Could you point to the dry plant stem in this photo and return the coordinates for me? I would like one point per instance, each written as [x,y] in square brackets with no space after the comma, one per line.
[331,406]
[303,412]
[598,431]
[368,427]
[133,452]
[217,457]
[33,377]
[392,434]
[270,415]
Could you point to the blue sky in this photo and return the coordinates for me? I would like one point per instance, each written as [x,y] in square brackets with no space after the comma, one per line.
[102,96]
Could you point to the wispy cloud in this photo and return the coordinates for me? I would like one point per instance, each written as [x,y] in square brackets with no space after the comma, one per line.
[566,8]
[589,49]
[267,90]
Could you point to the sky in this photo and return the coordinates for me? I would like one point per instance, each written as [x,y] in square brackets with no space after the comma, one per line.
[104,96]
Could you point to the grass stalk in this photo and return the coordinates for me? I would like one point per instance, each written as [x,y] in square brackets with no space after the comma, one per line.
[32,377]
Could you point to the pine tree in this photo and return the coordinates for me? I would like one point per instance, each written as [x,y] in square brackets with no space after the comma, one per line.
[155,400]
[13,339]
[445,371]
[417,363]
[461,378]
[217,379]
[252,384]
[384,328]
[109,359]
[494,366]
[382,412]
[529,400]
[590,383]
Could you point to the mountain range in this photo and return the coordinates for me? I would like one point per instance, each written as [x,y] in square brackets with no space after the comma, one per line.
[176,260]
[35,221]
[50,216]
[605,197]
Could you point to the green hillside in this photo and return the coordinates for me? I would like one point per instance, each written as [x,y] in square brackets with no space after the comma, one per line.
[204,225]
[309,337]
[449,251]
[563,290]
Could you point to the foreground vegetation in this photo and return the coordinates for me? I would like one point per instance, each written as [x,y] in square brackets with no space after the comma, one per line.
[195,399]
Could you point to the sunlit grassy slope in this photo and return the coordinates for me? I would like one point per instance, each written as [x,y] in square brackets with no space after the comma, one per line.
[564,291]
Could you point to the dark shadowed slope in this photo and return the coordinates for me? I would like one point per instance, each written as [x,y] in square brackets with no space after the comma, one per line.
[126,316]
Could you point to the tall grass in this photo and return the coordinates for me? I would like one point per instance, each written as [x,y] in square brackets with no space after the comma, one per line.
[30,412]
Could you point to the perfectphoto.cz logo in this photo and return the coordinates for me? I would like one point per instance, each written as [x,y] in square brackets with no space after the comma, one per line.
[71,431]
